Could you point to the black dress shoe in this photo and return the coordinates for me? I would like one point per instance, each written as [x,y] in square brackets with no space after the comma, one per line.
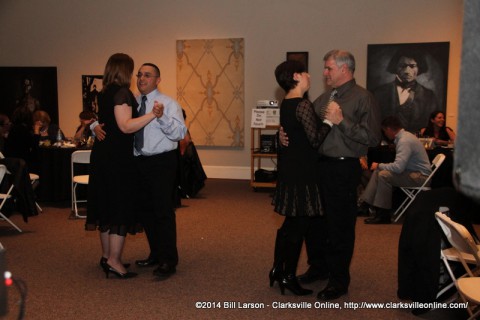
[290,282]
[364,210]
[331,293]
[379,219]
[164,270]
[149,262]
[312,275]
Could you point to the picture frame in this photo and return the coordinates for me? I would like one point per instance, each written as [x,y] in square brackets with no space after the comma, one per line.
[425,93]
[91,86]
[301,56]
[32,87]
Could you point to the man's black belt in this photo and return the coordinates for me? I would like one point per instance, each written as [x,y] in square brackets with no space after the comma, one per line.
[336,159]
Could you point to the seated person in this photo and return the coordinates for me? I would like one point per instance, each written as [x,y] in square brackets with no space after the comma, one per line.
[411,167]
[364,178]
[436,129]
[48,130]
[4,129]
[23,138]
[191,174]
[83,131]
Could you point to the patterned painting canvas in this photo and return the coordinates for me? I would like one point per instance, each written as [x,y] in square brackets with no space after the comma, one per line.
[210,88]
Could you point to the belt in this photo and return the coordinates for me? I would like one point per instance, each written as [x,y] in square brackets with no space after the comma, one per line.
[163,154]
[336,159]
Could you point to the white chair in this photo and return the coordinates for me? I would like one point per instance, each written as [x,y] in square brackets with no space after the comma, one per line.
[81,156]
[34,178]
[5,196]
[412,192]
[466,251]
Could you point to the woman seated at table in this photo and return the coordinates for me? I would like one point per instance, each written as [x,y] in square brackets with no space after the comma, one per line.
[436,129]
[48,130]
[83,131]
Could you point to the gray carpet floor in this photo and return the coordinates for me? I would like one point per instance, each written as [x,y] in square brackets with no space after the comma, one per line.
[225,243]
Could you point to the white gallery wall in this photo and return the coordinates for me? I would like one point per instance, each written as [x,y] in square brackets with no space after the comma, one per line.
[78,36]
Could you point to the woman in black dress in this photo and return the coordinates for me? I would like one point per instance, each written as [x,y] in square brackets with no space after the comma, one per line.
[110,195]
[297,195]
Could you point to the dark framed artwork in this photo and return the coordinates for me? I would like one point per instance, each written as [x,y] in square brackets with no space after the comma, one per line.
[34,88]
[409,80]
[299,56]
[91,86]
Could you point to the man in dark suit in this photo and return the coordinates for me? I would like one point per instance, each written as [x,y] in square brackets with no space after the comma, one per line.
[405,98]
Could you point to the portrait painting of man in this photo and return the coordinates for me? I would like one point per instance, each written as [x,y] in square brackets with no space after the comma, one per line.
[91,86]
[30,88]
[409,80]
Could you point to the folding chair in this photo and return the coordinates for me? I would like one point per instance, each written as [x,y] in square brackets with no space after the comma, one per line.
[412,192]
[5,196]
[466,251]
[34,178]
[81,156]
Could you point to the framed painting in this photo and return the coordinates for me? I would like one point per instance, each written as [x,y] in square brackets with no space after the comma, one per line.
[409,80]
[299,56]
[91,86]
[34,88]
[210,89]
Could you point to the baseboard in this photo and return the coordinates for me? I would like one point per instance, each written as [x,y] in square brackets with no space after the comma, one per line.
[222,172]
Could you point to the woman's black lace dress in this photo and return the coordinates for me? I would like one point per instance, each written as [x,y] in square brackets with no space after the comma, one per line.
[297,192]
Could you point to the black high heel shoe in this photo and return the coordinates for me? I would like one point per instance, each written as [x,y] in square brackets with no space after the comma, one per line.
[103,262]
[120,275]
[275,275]
[290,282]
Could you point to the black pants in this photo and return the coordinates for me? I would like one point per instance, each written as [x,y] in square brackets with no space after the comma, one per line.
[339,181]
[155,187]
[420,241]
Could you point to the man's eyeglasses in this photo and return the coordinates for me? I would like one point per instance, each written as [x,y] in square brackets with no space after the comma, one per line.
[146,75]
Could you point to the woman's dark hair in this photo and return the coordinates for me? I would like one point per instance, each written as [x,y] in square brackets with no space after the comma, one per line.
[87,115]
[284,73]
[119,70]
[411,53]
[429,131]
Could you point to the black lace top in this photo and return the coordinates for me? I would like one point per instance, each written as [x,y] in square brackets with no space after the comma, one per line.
[297,192]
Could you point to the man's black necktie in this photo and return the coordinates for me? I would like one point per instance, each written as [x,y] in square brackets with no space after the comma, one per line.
[139,133]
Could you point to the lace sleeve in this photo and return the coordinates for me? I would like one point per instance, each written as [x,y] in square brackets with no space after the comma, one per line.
[315,131]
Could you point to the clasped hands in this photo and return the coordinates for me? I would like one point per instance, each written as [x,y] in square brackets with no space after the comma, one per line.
[158,109]
[333,114]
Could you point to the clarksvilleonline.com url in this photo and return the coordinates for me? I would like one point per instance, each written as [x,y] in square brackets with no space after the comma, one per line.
[327,305]
[404,305]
